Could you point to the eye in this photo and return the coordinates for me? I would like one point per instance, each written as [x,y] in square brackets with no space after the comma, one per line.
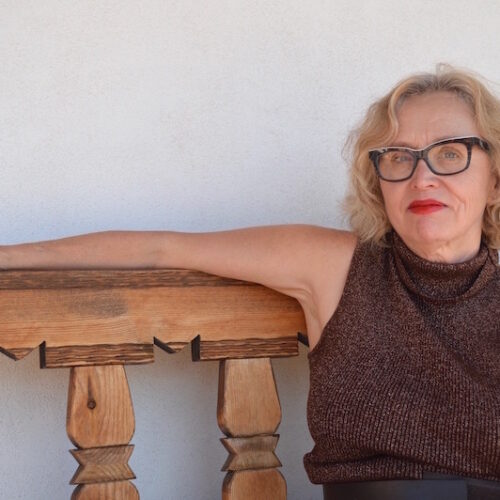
[399,157]
[450,152]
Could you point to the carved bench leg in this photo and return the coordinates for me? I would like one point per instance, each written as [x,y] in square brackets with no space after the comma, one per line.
[100,422]
[249,412]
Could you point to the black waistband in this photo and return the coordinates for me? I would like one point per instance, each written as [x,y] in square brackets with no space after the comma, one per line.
[433,486]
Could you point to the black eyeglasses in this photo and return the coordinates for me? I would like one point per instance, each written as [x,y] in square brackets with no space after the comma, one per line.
[446,157]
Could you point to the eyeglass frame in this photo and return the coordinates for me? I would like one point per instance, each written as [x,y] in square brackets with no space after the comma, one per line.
[417,154]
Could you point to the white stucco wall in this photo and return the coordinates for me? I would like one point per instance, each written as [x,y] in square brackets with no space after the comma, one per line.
[192,116]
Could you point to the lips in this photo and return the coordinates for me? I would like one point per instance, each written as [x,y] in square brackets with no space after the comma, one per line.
[425,203]
[425,207]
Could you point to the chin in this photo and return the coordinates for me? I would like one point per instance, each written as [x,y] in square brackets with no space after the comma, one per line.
[425,232]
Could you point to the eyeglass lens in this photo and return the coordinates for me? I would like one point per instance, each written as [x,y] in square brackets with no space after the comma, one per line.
[444,158]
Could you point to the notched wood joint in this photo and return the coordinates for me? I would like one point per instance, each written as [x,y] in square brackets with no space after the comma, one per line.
[170,347]
[103,464]
[255,452]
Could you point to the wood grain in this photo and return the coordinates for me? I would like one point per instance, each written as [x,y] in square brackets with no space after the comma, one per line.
[248,402]
[34,279]
[123,319]
[206,350]
[248,410]
[97,354]
[118,490]
[106,463]
[255,452]
[100,411]
[100,421]
[95,321]
[267,484]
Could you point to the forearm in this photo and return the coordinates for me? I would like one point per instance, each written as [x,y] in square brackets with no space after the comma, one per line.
[102,250]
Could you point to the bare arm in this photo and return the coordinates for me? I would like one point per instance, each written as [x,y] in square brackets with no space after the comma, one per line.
[286,257]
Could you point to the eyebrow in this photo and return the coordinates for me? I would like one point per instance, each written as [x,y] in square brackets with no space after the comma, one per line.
[411,146]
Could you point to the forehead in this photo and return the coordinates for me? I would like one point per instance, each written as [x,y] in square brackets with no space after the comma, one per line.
[427,118]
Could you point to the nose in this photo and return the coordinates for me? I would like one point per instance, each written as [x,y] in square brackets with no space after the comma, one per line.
[423,176]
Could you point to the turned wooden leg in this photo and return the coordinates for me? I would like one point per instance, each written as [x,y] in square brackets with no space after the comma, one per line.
[100,422]
[249,412]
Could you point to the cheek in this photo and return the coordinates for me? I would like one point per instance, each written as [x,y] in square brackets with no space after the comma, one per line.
[478,185]
[392,197]
[474,193]
[393,203]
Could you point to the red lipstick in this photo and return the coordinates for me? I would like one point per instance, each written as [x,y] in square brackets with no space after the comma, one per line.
[425,206]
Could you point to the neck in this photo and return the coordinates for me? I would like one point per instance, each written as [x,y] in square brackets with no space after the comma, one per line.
[442,281]
[448,252]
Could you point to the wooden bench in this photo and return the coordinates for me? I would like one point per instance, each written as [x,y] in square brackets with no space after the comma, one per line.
[96,321]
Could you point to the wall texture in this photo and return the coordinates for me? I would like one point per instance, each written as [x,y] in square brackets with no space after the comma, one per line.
[190,116]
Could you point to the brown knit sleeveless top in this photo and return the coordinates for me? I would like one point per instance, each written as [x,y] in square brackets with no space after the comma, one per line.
[406,375]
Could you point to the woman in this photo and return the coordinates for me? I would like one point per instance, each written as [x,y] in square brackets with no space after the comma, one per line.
[402,312]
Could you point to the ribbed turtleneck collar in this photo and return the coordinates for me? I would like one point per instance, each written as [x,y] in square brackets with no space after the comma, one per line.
[443,282]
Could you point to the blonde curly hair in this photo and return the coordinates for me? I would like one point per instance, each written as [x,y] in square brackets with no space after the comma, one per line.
[363,204]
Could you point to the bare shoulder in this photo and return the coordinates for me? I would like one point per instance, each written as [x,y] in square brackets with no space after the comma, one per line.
[329,253]
[333,251]
[307,262]
[327,275]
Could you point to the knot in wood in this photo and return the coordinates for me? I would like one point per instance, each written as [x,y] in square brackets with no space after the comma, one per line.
[91,404]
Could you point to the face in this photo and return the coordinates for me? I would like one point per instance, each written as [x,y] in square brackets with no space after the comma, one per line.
[453,231]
